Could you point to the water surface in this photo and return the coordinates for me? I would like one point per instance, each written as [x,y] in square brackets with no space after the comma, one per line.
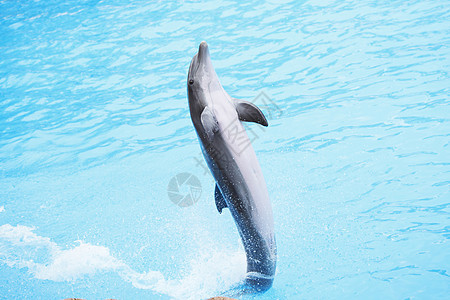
[94,123]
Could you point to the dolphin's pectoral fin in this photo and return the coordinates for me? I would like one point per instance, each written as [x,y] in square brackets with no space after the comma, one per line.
[249,112]
[220,201]
[209,122]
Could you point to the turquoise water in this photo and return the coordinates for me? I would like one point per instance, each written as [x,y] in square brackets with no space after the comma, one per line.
[94,124]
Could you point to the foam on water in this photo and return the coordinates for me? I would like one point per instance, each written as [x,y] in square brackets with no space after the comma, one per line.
[209,273]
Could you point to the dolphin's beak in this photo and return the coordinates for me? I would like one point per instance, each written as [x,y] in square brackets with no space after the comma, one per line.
[203,53]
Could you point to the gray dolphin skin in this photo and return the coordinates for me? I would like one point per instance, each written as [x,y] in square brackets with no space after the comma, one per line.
[240,184]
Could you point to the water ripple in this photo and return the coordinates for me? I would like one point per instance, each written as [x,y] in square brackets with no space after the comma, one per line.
[361,108]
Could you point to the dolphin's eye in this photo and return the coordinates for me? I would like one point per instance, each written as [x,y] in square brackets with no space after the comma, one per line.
[191,81]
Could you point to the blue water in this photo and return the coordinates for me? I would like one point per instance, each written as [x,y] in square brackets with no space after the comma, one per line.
[94,124]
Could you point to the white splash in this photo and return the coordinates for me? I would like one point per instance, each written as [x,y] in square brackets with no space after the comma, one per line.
[211,272]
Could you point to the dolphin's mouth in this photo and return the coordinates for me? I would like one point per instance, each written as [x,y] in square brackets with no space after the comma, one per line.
[193,67]
[202,58]
[203,53]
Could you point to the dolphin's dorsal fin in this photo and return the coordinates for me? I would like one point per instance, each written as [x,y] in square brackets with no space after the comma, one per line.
[209,122]
[249,112]
[220,201]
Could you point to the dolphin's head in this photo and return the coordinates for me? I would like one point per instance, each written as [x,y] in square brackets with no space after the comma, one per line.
[202,78]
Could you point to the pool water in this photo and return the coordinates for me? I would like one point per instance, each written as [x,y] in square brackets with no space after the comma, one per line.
[94,125]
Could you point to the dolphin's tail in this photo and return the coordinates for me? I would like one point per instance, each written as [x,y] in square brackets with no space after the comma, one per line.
[254,282]
[258,282]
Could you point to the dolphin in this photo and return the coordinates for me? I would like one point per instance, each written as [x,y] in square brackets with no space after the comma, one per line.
[227,149]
